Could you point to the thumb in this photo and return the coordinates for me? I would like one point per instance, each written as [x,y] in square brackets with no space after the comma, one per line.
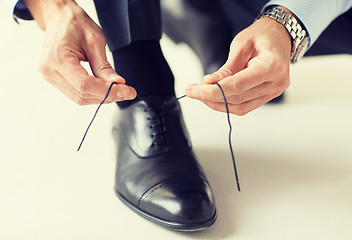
[223,72]
[238,58]
[100,66]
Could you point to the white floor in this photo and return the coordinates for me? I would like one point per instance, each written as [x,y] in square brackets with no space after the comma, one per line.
[294,159]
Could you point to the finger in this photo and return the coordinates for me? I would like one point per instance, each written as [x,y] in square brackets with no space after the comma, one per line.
[78,97]
[257,73]
[211,92]
[74,95]
[204,92]
[101,68]
[256,92]
[253,76]
[240,54]
[78,77]
[99,89]
[244,108]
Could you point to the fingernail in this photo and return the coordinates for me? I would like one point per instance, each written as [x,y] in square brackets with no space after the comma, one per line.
[196,92]
[121,93]
[216,75]
[113,76]
[188,93]
[213,77]
[129,97]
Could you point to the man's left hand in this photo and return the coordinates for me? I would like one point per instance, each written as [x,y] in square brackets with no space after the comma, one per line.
[257,70]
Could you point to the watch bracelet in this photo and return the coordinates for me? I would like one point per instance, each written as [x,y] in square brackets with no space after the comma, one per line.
[291,24]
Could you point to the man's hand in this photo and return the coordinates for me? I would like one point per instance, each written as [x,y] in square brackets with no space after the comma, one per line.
[71,37]
[257,70]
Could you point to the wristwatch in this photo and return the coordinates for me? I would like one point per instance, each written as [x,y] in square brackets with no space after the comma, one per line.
[299,36]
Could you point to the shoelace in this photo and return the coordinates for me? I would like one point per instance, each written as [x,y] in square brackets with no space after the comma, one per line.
[228,119]
[95,114]
[230,133]
[230,142]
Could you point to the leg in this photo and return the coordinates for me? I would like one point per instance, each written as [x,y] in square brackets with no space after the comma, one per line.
[157,174]
[124,21]
[133,30]
[201,26]
[241,13]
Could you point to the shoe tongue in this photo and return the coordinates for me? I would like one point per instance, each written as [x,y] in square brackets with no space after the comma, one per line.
[155,100]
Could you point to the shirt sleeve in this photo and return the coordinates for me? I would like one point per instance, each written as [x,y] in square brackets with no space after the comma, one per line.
[19,10]
[315,15]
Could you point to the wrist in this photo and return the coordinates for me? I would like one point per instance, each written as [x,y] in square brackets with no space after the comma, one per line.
[278,35]
[45,11]
[298,35]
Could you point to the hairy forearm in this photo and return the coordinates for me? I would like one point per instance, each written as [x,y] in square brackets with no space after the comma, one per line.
[45,10]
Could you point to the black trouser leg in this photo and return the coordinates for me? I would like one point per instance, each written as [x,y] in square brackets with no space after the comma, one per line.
[133,30]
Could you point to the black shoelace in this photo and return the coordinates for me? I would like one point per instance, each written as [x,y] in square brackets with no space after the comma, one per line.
[228,119]
[230,132]
[95,114]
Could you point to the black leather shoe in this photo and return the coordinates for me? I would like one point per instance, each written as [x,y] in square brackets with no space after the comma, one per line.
[157,173]
[208,34]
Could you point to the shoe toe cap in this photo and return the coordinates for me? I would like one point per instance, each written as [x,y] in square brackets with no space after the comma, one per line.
[180,202]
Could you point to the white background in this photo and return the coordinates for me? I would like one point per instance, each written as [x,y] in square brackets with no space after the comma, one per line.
[294,159]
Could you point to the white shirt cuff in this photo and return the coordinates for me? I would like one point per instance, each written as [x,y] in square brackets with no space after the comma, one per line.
[315,15]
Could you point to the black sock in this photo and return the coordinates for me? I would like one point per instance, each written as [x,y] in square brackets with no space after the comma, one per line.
[144,67]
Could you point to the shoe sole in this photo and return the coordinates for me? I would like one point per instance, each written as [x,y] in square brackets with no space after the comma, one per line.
[182,227]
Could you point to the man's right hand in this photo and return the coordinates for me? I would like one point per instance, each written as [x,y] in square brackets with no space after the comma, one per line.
[72,36]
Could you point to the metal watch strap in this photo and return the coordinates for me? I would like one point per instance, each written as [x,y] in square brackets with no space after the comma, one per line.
[300,40]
